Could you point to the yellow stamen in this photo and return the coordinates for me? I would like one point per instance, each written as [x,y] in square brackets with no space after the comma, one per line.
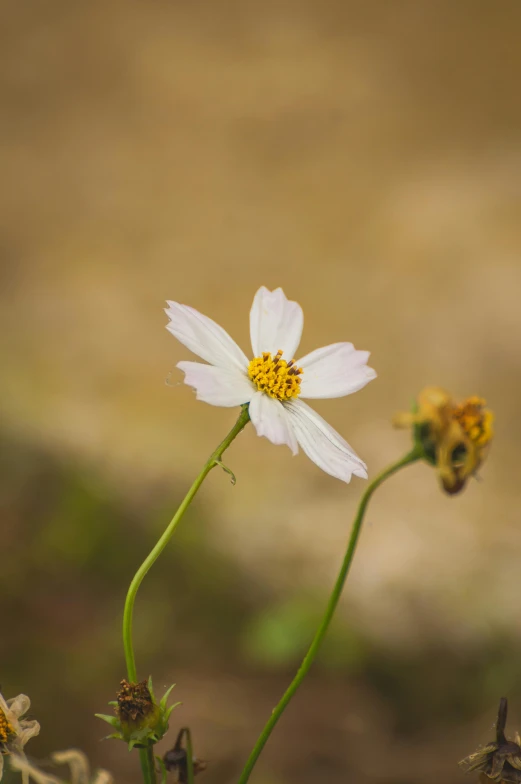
[276,377]
[6,729]
[475,420]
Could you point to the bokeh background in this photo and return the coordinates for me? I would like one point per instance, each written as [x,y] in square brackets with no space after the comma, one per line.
[365,156]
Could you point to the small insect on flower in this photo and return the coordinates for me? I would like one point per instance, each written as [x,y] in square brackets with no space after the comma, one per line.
[14,730]
[454,437]
[500,760]
[273,384]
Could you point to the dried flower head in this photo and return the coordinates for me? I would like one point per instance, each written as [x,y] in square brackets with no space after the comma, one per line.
[79,769]
[452,436]
[139,721]
[500,760]
[14,730]
[135,706]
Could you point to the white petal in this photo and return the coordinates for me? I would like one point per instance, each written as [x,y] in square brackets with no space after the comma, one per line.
[30,729]
[323,444]
[28,771]
[19,705]
[334,371]
[103,777]
[270,419]
[275,323]
[77,762]
[204,337]
[217,386]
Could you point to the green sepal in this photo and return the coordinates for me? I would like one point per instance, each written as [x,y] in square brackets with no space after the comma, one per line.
[424,442]
[170,709]
[422,439]
[112,720]
[114,736]
[165,697]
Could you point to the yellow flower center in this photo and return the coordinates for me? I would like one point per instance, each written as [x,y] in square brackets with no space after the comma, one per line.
[276,377]
[475,421]
[6,729]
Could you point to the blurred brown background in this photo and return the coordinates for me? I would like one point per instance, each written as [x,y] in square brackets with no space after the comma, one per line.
[367,158]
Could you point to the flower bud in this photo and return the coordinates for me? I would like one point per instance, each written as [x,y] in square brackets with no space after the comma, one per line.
[176,760]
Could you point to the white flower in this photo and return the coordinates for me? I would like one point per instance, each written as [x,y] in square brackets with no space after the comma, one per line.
[273,383]
[15,731]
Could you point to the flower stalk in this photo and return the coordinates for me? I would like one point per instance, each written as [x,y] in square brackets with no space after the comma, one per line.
[213,460]
[411,457]
[146,754]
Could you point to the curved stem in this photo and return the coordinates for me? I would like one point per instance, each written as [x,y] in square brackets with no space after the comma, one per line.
[147,755]
[277,712]
[213,460]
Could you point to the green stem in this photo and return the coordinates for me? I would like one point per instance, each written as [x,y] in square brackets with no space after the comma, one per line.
[213,460]
[147,755]
[277,712]
[148,765]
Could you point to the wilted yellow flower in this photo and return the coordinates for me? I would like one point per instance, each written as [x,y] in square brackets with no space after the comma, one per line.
[79,772]
[15,731]
[453,436]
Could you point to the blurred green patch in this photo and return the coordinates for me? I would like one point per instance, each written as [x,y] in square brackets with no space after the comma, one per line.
[279,635]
